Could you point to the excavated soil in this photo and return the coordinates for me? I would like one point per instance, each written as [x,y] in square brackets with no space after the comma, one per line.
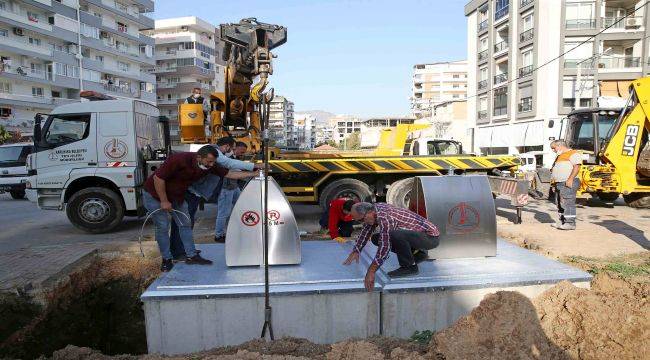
[610,321]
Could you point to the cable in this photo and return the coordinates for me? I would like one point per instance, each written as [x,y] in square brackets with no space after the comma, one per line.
[559,56]
[145,223]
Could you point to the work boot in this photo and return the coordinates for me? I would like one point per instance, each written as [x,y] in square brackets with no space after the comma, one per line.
[198,260]
[220,239]
[420,255]
[167,264]
[179,258]
[404,271]
[567,226]
[556,224]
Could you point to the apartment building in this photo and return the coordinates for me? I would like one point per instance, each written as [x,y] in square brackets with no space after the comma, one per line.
[344,126]
[187,56]
[304,126]
[323,133]
[436,83]
[520,87]
[281,122]
[50,50]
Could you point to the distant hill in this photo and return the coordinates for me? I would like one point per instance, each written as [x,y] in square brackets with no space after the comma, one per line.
[321,116]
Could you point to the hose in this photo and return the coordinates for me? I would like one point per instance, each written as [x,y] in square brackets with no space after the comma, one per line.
[145,223]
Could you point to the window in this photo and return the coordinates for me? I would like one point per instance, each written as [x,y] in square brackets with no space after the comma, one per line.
[5,112]
[4,32]
[483,44]
[121,7]
[92,75]
[501,9]
[35,41]
[121,27]
[33,17]
[122,66]
[483,74]
[66,70]
[528,22]
[527,58]
[99,58]
[37,91]
[5,87]
[3,5]
[56,94]
[580,15]
[500,101]
[456,96]
[455,86]
[456,76]
[89,31]
[65,129]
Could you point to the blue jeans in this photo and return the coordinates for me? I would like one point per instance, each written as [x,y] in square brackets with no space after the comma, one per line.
[176,246]
[162,224]
[227,199]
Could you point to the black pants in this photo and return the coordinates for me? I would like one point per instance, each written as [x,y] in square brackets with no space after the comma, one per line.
[345,227]
[405,242]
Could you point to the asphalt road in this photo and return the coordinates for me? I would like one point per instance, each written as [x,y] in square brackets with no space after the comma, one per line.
[24,225]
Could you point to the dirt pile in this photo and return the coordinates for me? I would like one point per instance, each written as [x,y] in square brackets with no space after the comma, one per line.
[611,321]
[503,324]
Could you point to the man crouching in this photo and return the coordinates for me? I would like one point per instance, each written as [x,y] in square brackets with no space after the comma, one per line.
[390,228]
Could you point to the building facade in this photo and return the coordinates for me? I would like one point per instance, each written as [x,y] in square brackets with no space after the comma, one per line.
[304,126]
[344,126]
[436,83]
[187,57]
[281,122]
[522,82]
[51,50]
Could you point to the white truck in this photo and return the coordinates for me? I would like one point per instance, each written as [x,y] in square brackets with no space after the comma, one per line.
[13,173]
[91,159]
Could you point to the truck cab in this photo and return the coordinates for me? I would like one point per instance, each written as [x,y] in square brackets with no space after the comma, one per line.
[433,146]
[587,129]
[91,159]
[13,171]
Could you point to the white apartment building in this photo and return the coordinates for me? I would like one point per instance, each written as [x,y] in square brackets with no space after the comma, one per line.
[304,126]
[509,39]
[187,56]
[323,133]
[344,126]
[436,83]
[281,122]
[50,50]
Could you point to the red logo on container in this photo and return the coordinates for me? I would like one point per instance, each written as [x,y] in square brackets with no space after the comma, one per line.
[273,215]
[250,218]
[463,218]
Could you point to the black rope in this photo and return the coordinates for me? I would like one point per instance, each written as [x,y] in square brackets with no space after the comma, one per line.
[264,113]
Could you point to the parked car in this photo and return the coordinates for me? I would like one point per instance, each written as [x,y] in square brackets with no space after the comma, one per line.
[13,173]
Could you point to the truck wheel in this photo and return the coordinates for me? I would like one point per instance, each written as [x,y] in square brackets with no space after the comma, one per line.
[637,200]
[399,193]
[17,194]
[351,188]
[95,210]
[607,197]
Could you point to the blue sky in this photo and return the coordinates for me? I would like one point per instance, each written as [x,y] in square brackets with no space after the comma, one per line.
[346,56]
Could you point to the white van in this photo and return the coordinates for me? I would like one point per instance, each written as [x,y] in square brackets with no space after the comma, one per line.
[13,173]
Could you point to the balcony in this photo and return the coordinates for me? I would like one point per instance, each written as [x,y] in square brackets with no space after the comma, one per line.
[483,55]
[525,3]
[166,85]
[501,46]
[482,115]
[121,89]
[482,25]
[580,24]
[574,63]
[525,104]
[623,23]
[501,78]
[619,62]
[28,72]
[500,13]
[527,35]
[525,71]
[482,84]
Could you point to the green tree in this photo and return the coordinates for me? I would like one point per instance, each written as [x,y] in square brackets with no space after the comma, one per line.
[5,135]
[352,142]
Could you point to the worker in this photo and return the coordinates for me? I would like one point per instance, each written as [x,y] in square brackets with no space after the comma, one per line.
[390,228]
[337,219]
[164,197]
[564,176]
[230,188]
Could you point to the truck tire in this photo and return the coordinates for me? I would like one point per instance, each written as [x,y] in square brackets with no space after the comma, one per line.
[607,197]
[353,188]
[95,210]
[17,194]
[399,193]
[637,200]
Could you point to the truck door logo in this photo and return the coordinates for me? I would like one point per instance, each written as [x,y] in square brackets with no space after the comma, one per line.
[115,149]
[631,137]
[53,156]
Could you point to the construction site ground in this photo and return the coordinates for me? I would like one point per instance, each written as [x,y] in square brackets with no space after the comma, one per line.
[95,309]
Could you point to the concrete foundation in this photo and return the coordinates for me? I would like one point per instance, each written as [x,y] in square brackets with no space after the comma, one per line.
[194,308]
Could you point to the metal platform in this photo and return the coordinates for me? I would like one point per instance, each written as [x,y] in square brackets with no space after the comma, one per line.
[194,308]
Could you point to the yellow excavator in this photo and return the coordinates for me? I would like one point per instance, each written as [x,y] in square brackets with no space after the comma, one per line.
[616,144]
[236,111]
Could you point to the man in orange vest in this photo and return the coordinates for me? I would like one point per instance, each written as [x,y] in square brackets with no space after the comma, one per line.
[564,172]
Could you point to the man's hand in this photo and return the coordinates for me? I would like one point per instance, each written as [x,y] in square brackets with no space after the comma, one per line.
[369,281]
[339,239]
[354,256]
[258,166]
[165,205]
